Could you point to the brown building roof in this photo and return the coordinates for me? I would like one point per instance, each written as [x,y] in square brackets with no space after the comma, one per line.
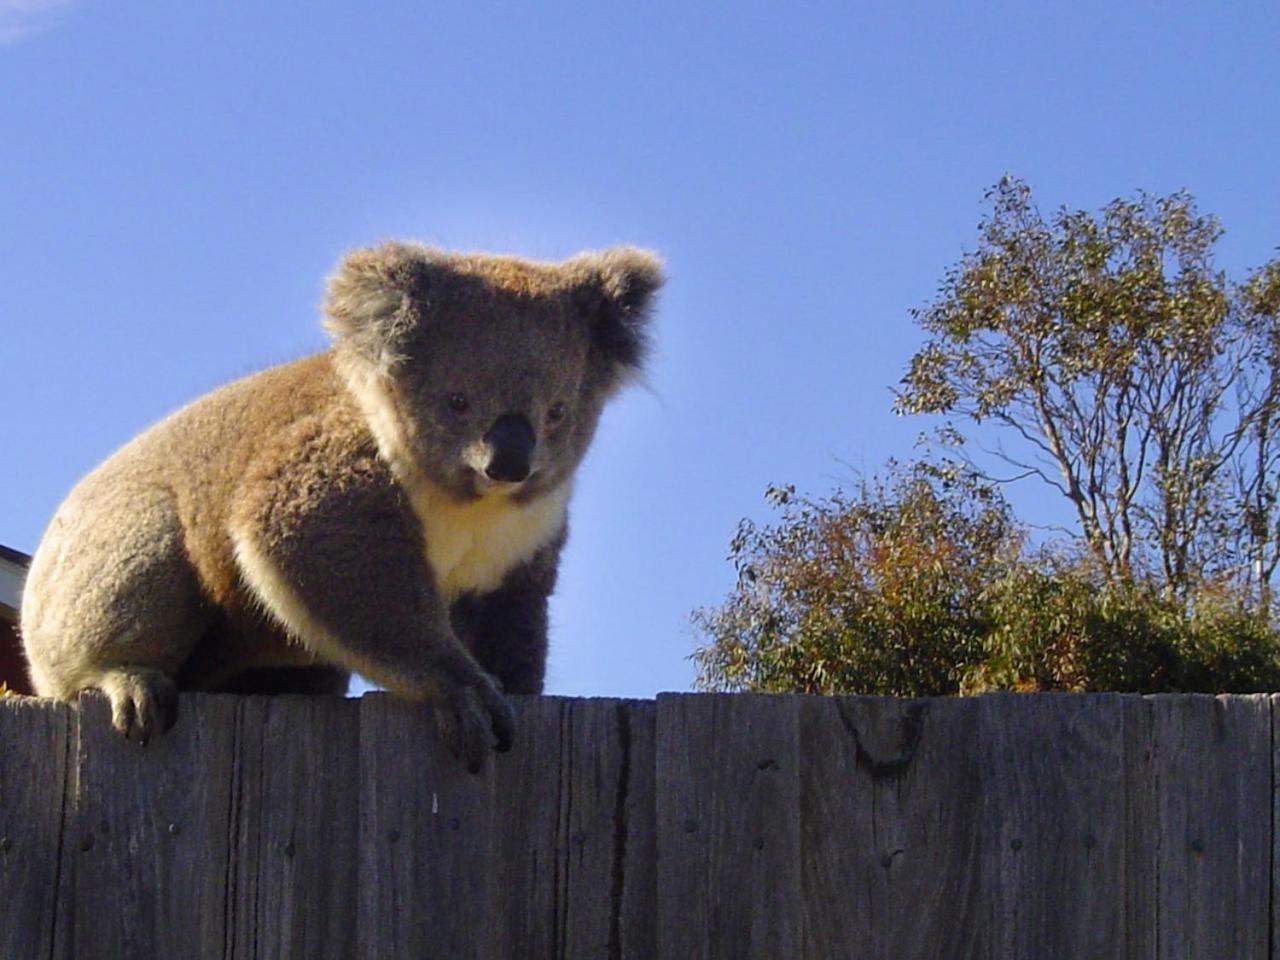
[13,666]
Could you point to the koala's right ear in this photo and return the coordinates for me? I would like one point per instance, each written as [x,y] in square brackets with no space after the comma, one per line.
[618,294]
[368,306]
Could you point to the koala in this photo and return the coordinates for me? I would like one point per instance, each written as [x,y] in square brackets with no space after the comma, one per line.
[394,506]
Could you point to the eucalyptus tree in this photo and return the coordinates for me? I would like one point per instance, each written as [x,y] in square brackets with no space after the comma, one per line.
[1122,368]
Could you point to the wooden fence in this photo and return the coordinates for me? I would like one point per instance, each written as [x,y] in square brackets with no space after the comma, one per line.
[1007,826]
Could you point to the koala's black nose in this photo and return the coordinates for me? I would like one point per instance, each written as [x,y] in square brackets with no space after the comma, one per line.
[511,438]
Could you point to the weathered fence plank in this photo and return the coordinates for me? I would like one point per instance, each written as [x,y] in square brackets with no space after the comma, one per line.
[891,807]
[728,794]
[1141,899]
[1212,776]
[633,889]
[530,834]
[295,828]
[604,790]
[1053,825]
[427,872]
[36,746]
[567,822]
[542,855]
[153,834]
[1274,932]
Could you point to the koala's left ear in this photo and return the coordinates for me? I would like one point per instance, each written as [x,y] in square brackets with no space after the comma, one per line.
[617,298]
[367,308]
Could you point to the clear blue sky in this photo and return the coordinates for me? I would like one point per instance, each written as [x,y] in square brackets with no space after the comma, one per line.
[177,178]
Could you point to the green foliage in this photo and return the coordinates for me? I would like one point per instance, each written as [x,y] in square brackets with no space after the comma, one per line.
[877,592]
[920,585]
[1058,625]
[1118,365]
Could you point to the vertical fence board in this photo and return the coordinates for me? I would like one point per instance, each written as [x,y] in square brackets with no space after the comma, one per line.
[1212,775]
[1274,932]
[565,831]
[295,828]
[530,831]
[427,874]
[152,834]
[36,743]
[890,811]
[1054,780]
[1142,832]
[635,922]
[592,769]
[728,791]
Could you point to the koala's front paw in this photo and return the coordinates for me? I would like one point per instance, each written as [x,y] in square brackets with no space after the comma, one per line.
[475,718]
[143,702]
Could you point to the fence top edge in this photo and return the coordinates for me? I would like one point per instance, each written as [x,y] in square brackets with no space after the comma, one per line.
[18,703]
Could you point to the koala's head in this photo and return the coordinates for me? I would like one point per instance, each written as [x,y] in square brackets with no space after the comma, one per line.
[488,373]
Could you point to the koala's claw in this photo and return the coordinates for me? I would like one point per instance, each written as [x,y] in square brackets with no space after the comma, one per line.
[504,723]
[143,702]
[473,720]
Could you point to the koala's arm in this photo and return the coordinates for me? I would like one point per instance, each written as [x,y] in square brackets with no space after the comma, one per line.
[506,629]
[326,541]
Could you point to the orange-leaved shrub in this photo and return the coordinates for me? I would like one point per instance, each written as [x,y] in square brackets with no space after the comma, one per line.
[922,583]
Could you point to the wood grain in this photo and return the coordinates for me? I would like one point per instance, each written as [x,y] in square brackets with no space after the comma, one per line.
[295,829]
[728,791]
[36,751]
[153,834]
[426,872]
[892,825]
[1212,777]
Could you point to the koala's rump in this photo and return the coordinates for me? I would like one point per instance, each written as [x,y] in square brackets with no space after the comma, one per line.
[137,561]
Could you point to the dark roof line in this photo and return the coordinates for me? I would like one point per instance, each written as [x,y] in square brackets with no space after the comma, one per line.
[14,556]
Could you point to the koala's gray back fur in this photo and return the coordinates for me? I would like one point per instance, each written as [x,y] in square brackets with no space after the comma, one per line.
[157,513]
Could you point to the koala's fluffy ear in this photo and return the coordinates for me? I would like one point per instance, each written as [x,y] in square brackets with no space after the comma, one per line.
[368,304]
[617,297]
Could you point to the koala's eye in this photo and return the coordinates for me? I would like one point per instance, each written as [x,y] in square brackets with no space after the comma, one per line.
[458,403]
[555,413]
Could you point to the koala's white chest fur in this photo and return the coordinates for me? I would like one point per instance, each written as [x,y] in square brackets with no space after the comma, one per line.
[472,546]
[469,546]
